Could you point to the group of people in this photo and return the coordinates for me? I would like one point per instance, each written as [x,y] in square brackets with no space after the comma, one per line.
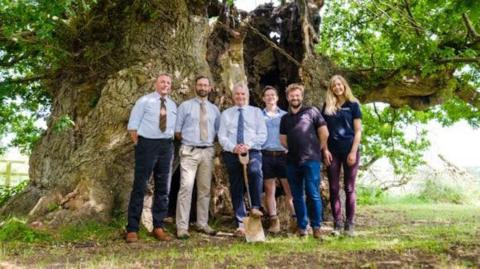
[284,146]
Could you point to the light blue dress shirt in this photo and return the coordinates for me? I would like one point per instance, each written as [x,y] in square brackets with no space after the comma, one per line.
[255,129]
[188,122]
[273,130]
[145,116]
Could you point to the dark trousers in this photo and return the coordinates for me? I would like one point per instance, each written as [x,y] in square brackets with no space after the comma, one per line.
[349,174]
[237,188]
[150,155]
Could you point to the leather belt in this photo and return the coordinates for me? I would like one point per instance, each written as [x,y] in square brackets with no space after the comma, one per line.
[200,147]
[273,153]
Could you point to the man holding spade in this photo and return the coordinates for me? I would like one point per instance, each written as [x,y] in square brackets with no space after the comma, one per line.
[243,131]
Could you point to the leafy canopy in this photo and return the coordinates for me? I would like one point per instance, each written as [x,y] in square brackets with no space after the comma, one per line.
[393,39]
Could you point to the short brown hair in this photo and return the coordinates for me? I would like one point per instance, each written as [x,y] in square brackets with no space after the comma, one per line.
[294,86]
[202,77]
[267,88]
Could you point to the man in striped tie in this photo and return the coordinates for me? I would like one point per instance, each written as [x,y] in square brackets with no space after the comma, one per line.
[197,125]
[243,129]
[151,128]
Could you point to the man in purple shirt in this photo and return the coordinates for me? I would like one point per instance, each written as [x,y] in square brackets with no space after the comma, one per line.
[304,133]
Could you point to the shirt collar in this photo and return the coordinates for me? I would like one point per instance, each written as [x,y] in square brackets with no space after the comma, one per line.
[242,107]
[198,100]
[158,96]
[277,111]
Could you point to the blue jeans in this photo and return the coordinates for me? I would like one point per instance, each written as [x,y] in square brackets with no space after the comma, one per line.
[150,155]
[237,186]
[305,179]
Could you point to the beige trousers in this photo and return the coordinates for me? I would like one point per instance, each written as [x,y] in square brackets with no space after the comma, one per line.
[196,164]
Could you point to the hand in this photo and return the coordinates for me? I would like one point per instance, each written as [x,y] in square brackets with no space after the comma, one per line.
[245,148]
[134,137]
[237,149]
[241,148]
[327,157]
[351,158]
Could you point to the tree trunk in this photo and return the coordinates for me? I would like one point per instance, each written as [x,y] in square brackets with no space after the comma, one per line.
[86,172]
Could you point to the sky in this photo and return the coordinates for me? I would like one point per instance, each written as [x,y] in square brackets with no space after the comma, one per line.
[458,143]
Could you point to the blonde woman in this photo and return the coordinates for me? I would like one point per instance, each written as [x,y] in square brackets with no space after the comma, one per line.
[343,116]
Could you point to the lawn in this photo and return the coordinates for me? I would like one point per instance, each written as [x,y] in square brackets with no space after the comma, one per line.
[388,236]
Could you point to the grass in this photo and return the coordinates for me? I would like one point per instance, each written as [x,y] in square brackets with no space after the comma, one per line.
[411,235]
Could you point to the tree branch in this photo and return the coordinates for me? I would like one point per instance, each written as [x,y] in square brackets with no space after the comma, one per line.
[273,45]
[459,60]
[366,166]
[7,63]
[411,19]
[24,80]
[470,28]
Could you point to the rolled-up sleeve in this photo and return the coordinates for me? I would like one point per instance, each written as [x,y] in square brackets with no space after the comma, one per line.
[136,115]
[217,120]
[227,145]
[261,132]
[180,118]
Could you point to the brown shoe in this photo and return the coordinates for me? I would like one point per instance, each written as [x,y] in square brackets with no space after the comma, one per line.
[293,224]
[274,225]
[160,234]
[239,232]
[317,233]
[256,213]
[131,237]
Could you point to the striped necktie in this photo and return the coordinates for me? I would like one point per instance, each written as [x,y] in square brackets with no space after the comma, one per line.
[163,115]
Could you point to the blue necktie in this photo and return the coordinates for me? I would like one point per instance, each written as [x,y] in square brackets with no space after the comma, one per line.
[240,126]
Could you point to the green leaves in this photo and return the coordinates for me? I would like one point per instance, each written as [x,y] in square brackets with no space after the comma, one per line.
[390,40]
[31,49]
[411,35]
[7,192]
[63,123]
[385,135]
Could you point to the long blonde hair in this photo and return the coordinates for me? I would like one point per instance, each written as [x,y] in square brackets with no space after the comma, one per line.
[331,102]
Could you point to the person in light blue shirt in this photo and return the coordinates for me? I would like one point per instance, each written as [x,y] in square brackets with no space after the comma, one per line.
[151,127]
[197,124]
[274,156]
[243,129]
[145,117]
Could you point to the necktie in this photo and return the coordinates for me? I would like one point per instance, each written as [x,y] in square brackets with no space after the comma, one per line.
[163,115]
[240,127]
[203,122]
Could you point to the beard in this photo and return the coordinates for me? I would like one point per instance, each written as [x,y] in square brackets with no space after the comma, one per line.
[295,104]
[202,93]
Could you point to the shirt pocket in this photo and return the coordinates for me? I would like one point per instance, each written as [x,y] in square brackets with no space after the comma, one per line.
[152,109]
[193,117]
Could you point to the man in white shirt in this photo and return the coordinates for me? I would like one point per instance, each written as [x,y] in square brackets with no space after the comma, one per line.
[242,130]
